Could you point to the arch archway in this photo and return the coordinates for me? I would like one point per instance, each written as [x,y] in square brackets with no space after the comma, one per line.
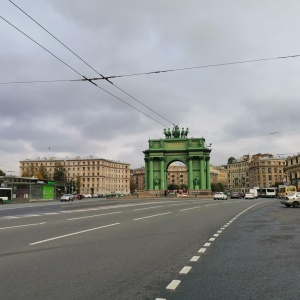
[190,151]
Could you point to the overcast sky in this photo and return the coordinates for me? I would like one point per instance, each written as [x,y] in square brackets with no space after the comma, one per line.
[226,105]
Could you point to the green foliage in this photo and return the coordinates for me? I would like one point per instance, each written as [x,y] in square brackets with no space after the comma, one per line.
[217,187]
[173,186]
[28,172]
[183,186]
[133,186]
[231,159]
[59,173]
[77,184]
[42,173]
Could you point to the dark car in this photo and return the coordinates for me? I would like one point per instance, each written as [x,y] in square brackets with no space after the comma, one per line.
[78,196]
[236,195]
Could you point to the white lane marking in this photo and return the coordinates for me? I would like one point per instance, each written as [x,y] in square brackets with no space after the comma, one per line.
[211,239]
[219,231]
[118,212]
[50,213]
[216,235]
[225,225]
[223,228]
[206,245]
[74,233]
[179,204]
[152,216]
[146,208]
[190,208]
[202,250]
[173,285]
[211,204]
[185,270]
[160,299]
[30,215]
[195,258]
[22,225]
[11,217]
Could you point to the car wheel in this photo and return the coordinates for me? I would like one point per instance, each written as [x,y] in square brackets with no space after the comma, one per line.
[295,204]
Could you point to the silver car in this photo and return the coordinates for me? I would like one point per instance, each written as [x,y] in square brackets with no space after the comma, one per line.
[67,197]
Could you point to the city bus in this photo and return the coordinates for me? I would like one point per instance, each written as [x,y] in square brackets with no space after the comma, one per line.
[5,195]
[285,189]
[266,192]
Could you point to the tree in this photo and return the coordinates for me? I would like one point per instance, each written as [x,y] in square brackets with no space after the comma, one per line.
[29,171]
[133,186]
[59,173]
[183,186]
[42,173]
[77,184]
[2,173]
[217,187]
[173,186]
[231,159]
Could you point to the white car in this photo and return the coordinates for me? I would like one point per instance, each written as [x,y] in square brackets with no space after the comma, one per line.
[220,196]
[87,196]
[249,196]
[292,199]
[66,197]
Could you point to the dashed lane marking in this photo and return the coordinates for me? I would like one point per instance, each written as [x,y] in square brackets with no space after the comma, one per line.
[195,258]
[206,244]
[93,216]
[173,285]
[147,208]
[202,250]
[152,216]
[190,208]
[185,270]
[22,225]
[211,239]
[74,233]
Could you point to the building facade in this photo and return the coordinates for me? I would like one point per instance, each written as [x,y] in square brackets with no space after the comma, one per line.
[292,170]
[177,175]
[265,170]
[138,178]
[96,175]
[237,172]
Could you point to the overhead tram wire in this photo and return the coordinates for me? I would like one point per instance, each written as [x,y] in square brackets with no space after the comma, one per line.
[102,76]
[42,81]
[79,73]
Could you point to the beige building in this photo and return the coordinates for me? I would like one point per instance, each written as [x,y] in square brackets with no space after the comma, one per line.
[265,170]
[218,174]
[138,178]
[97,175]
[292,170]
[177,175]
[237,172]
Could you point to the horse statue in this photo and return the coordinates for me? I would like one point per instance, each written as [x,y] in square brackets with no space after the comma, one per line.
[167,133]
[186,132]
[182,135]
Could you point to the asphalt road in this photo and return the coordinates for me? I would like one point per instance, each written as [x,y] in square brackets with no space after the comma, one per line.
[150,249]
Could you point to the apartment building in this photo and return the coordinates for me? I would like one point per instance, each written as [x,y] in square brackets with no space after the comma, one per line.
[292,170]
[138,178]
[265,170]
[97,175]
[177,175]
[237,174]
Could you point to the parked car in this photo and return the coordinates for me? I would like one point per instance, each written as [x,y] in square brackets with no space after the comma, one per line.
[235,195]
[87,196]
[78,196]
[220,196]
[95,196]
[249,196]
[292,199]
[66,197]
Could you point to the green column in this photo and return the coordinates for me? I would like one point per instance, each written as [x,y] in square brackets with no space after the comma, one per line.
[150,173]
[191,186]
[162,174]
[208,187]
[202,176]
[146,175]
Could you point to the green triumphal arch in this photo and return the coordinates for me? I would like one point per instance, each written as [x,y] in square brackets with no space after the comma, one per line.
[176,146]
